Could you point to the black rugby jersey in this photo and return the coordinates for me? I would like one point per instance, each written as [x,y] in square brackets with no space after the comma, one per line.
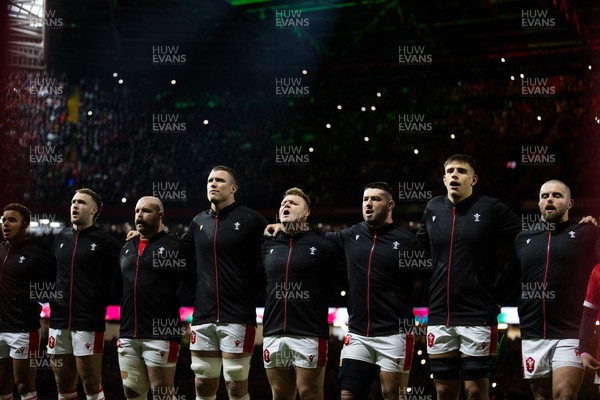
[87,264]
[227,249]
[151,281]
[299,271]
[463,241]
[380,278]
[556,264]
[25,280]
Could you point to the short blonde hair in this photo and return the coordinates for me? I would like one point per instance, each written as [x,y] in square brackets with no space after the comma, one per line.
[298,192]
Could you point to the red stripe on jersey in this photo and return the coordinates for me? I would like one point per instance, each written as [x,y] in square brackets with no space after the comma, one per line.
[287,268]
[71,284]
[249,339]
[216,267]
[450,266]
[99,343]
[322,354]
[545,280]
[408,351]
[173,352]
[369,284]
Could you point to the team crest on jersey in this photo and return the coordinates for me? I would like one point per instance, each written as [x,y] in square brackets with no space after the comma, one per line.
[484,345]
[267,355]
[162,353]
[201,226]
[93,246]
[51,342]
[237,226]
[398,361]
[271,251]
[430,339]
[88,345]
[433,218]
[396,244]
[237,342]
[311,357]
[21,259]
[476,217]
[528,240]
[160,250]
[118,343]
[61,245]
[347,340]
[357,236]
[530,364]
[193,337]
[312,251]
[572,234]
[577,353]
[21,350]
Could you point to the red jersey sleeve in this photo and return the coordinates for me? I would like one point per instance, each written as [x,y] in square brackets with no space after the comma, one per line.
[592,296]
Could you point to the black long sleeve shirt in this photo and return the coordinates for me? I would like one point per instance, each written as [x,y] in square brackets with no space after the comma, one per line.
[151,281]
[555,265]
[379,282]
[87,263]
[24,280]
[299,271]
[462,240]
[227,248]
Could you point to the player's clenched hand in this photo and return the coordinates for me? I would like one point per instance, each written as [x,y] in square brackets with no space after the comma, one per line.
[590,362]
[588,219]
[131,234]
[271,230]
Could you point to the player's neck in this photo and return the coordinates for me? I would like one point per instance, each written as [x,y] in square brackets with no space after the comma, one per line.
[457,199]
[150,235]
[381,225]
[218,207]
[17,240]
[563,219]
[79,228]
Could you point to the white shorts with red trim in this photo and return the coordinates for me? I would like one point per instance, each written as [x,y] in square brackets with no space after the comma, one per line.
[222,336]
[154,353]
[78,343]
[282,351]
[392,353]
[475,341]
[19,345]
[542,356]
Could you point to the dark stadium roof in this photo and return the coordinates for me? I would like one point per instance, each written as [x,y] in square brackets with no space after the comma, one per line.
[242,34]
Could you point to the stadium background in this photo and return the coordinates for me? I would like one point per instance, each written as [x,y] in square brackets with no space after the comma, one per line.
[133,97]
